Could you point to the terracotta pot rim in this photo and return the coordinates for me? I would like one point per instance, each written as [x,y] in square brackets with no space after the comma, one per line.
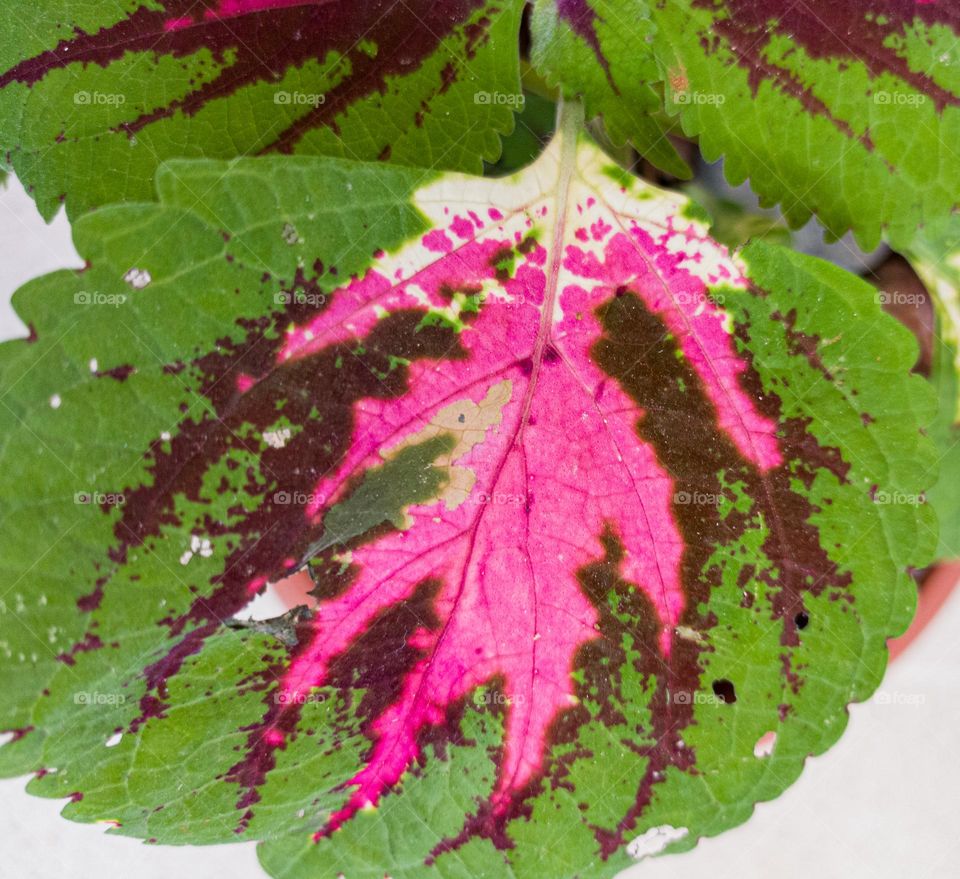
[935,588]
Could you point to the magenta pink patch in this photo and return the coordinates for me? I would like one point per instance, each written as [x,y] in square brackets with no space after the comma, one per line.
[235,8]
[564,465]
[245,382]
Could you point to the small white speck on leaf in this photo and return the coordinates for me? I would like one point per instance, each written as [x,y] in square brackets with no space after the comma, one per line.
[198,546]
[55,401]
[114,740]
[655,840]
[137,278]
[688,634]
[289,234]
[277,439]
[94,366]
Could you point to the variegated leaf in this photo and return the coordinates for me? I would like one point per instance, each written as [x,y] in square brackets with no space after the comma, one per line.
[848,110]
[94,96]
[589,502]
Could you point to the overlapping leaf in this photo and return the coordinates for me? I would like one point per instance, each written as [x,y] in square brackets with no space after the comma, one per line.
[601,51]
[589,505]
[938,264]
[848,110]
[94,96]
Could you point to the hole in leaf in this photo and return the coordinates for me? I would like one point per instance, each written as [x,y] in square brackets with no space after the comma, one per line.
[801,620]
[725,690]
[765,744]
[654,841]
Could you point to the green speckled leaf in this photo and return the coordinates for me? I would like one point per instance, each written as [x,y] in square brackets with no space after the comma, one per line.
[93,96]
[848,109]
[601,51]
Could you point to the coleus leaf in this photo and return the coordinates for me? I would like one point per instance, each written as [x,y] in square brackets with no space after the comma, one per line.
[94,97]
[588,502]
[603,58]
[848,110]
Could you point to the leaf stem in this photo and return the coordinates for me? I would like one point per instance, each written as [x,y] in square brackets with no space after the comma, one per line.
[569,124]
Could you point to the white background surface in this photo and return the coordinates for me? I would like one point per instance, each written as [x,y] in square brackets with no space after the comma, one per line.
[883,804]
